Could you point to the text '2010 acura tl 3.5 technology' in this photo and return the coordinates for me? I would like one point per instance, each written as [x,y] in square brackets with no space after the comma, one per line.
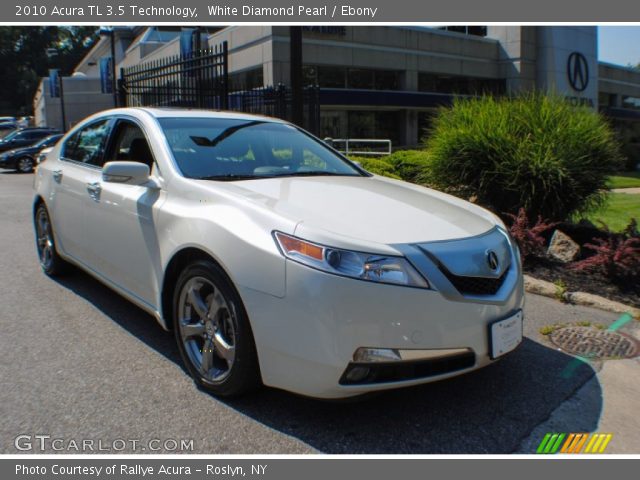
[274,259]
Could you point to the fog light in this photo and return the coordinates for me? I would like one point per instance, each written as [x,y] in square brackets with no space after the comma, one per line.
[357,374]
[369,355]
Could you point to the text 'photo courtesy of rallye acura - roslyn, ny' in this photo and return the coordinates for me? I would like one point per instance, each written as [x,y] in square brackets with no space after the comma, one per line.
[274,259]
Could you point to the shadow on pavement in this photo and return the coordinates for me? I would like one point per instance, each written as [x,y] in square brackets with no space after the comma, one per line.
[488,411]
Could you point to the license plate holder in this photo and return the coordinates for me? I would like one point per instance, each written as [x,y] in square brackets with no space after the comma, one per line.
[505,335]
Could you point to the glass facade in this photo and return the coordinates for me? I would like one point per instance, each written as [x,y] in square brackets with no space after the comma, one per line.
[246,80]
[355,78]
[362,124]
[477,30]
[435,83]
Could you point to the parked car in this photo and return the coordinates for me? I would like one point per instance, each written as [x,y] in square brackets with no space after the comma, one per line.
[25,137]
[23,159]
[273,258]
[42,155]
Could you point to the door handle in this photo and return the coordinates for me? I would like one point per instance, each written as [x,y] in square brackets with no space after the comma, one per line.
[94,190]
[57,176]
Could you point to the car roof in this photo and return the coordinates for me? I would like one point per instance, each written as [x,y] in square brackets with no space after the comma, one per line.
[176,112]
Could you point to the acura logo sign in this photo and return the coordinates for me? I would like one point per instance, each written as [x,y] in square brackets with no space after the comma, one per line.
[578,71]
[492,260]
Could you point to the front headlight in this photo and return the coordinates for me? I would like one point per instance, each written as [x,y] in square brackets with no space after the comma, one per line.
[363,266]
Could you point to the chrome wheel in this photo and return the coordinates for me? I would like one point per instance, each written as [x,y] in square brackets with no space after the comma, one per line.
[206,326]
[25,165]
[44,239]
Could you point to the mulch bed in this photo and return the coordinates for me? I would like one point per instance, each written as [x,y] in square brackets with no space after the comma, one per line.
[596,283]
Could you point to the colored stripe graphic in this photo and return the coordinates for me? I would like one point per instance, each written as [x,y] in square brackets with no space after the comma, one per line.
[581,443]
[573,443]
[551,443]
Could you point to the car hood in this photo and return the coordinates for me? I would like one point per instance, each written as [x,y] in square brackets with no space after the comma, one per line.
[369,209]
[21,151]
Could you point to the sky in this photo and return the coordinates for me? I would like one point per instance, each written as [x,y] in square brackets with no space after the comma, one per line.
[619,45]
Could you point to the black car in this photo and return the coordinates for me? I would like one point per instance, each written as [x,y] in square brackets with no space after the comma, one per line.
[23,159]
[25,137]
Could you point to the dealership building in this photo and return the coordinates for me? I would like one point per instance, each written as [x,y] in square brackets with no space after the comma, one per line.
[377,82]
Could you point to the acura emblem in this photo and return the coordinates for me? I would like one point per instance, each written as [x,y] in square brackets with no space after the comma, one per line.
[492,260]
[578,71]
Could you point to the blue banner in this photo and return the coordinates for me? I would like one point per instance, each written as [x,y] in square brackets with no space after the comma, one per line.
[54,83]
[106,77]
[186,42]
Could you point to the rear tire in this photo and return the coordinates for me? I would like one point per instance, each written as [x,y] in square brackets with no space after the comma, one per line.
[212,331]
[50,262]
[25,164]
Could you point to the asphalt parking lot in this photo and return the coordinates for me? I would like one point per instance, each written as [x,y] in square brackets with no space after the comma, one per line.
[79,362]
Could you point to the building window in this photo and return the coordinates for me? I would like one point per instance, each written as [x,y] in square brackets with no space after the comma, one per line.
[434,83]
[246,80]
[631,102]
[360,78]
[607,99]
[331,77]
[476,30]
[356,78]
[362,124]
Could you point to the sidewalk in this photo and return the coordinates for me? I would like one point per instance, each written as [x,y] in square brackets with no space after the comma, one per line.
[613,394]
[633,190]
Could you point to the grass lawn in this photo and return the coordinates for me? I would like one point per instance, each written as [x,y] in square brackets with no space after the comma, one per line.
[617,212]
[625,180]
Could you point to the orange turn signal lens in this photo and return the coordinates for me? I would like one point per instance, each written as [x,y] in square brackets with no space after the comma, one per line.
[295,245]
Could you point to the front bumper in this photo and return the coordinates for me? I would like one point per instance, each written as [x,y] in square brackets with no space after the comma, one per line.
[8,163]
[307,339]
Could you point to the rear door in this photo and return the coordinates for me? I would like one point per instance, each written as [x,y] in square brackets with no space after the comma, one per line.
[74,178]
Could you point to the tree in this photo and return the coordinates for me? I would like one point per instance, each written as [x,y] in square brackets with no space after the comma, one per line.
[23,60]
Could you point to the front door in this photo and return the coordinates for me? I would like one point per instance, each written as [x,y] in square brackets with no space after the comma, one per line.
[121,221]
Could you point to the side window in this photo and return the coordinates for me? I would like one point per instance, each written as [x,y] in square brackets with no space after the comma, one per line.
[87,144]
[130,143]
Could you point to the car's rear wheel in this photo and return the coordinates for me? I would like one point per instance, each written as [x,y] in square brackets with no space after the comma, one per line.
[25,164]
[213,332]
[52,264]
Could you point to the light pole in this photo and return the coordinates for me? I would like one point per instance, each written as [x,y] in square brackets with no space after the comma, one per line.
[295,63]
[51,53]
[112,37]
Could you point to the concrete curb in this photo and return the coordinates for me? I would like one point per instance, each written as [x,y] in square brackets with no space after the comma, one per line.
[548,289]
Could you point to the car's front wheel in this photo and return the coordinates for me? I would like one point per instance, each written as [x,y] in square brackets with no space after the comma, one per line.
[213,332]
[25,164]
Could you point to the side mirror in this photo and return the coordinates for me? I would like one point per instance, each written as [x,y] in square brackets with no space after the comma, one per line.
[130,173]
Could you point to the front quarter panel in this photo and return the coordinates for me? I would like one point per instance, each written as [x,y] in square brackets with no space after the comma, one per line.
[237,234]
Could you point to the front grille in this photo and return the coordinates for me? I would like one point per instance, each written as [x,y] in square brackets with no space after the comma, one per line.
[409,370]
[475,285]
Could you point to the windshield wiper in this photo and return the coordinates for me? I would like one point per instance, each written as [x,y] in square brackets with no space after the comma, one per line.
[317,173]
[229,177]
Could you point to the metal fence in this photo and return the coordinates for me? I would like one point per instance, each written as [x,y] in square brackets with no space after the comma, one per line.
[277,102]
[201,80]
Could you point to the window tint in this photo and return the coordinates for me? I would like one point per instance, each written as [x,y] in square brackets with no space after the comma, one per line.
[130,144]
[87,144]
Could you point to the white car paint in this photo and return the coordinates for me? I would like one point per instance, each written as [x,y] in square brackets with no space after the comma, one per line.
[307,324]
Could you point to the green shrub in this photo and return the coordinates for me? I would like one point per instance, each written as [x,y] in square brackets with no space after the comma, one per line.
[377,166]
[411,165]
[534,151]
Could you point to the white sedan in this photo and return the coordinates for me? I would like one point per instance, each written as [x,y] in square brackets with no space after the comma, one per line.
[274,259]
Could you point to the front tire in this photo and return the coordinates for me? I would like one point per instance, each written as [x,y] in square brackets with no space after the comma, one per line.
[25,165]
[212,331]
[50,262]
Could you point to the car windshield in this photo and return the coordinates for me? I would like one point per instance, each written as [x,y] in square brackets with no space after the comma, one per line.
[11,135]
[235,149]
